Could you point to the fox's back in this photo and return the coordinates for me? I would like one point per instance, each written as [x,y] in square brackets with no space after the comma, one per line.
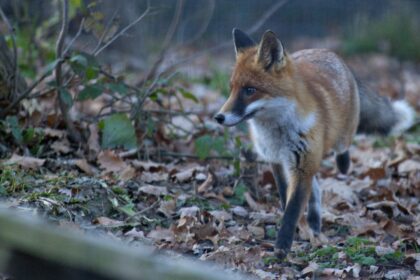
[333,86]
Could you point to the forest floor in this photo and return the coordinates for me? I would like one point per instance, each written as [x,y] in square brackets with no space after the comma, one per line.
[190,189]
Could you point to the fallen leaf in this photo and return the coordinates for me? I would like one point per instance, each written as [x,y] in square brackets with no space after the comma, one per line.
[240,211]
[153,190]
[409,166]
[221,215]
[111,162]
[85,166]
[188,211]
[107,222]
[62,146]
[206,184]
[257,232]
[161,234]
[397,274]
[310,269]
[25,162]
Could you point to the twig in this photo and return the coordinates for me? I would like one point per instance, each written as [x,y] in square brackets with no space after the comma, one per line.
[15,52]
[79,32]
[106,30]
[73,133]
[125,29]
[257,25]
[168,38]
[205,25]
[141,212]
[251,30]
[25,94]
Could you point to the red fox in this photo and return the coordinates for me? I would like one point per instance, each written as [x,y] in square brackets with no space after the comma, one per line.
[299,107]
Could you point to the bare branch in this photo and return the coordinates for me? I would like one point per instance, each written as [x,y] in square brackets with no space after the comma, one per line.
[251,30]
[125,29]
[64,107]
[15,52]
[79,32]
[106,30]
[257,25]
[168,38]
[205,25]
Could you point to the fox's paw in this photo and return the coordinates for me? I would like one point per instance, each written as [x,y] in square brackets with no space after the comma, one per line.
[283,246]
[281,253]
[318,240]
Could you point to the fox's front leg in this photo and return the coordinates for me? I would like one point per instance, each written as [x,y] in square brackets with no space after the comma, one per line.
[298,193]
[281,182]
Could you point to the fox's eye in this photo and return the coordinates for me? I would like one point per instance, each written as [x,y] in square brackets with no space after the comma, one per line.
[249,90]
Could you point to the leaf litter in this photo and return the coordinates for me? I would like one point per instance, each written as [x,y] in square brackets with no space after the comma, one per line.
[205,207]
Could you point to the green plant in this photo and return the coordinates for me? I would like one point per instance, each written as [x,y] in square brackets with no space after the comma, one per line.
[395,32]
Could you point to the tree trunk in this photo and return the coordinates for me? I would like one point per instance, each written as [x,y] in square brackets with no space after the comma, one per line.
[7,76]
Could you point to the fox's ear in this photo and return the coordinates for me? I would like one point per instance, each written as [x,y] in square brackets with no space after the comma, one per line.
[270,51]
[241,40]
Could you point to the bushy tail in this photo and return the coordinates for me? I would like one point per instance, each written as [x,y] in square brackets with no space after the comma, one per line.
[379,115]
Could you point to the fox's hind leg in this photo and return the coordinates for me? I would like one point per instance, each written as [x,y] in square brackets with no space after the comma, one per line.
[281,182]
[314,208]
[343,162]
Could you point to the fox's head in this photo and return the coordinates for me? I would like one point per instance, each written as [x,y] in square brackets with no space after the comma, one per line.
[261,73]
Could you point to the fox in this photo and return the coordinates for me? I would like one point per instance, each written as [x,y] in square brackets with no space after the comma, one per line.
[300,107]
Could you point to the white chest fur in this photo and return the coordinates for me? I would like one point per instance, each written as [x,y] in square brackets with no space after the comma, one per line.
[277,131]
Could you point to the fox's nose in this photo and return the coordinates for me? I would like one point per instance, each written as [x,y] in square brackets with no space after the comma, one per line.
[220,118]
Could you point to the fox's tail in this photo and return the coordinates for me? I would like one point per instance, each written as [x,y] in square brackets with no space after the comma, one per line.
[379,115]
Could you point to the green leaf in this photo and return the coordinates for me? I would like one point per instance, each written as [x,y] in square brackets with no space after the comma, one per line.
[13,124]
[118,87]
[205,144]
[65,96]
[90,92]
[92,73]
[79,60]
[128,209]
[117,131]
[188,95]
[50,66]
[239,194]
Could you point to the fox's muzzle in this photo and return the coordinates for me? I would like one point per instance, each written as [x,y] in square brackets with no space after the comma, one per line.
[220,118]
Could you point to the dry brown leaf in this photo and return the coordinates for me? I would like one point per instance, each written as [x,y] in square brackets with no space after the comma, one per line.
[310,269]
[153,190]
[397,274]
[409,166]
[188,211]
[148,166]
[25,162]
[252,203]
[151,177]
[111,162]
[221,215]
[62,146]
[161,234]
[85,166]
[167,208]
[107,222]
[240,211]
[257,232]
[51,132]
[206,185]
